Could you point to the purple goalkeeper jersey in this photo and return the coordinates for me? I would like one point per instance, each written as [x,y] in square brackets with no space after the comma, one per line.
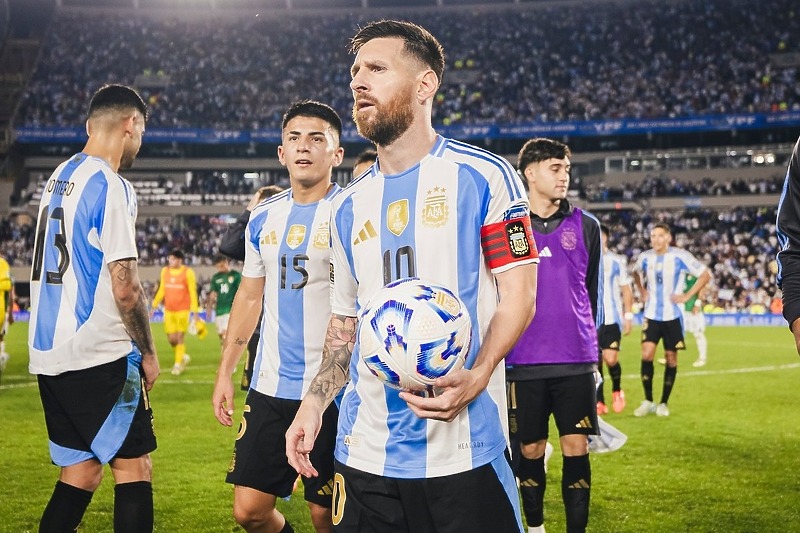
[563,331]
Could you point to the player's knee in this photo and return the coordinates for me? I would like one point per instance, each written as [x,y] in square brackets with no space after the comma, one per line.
[85,476]
[250,516]
[533,450]
[320,517]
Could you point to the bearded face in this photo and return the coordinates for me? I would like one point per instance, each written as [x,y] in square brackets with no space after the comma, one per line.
[384,123]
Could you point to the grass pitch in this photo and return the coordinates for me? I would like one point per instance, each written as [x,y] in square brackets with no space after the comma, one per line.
[726,460]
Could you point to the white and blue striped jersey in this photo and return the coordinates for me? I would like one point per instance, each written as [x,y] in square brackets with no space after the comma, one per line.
[289,245]
[423,222]
[662,277]
[615,276]
[87,219]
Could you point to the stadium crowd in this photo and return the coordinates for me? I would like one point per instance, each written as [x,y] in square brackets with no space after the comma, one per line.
[738,244]
[577,62]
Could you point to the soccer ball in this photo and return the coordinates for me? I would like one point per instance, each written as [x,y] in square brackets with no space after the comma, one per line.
[412,332]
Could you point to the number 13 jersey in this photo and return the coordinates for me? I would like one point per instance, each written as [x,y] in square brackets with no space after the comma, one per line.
[86,220]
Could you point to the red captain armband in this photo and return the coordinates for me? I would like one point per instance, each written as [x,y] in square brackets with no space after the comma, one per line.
[508,241]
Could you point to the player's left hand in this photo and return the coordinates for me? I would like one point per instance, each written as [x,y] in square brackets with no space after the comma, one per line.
[679,298]
[458,389]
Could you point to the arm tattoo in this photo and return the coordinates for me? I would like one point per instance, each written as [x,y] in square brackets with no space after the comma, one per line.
[132,304]
[240,341]
[334,370]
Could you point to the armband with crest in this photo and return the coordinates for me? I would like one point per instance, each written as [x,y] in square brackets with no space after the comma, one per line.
[508,241]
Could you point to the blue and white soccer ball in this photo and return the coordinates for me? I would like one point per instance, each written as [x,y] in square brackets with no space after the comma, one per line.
[412,332]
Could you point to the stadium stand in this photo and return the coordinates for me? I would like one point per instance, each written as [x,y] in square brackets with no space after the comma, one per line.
[602,61]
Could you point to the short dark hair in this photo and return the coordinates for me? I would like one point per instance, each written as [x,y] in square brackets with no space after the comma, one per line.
[369,155]
[662,225]
[219,258]
[114,97]
[541,149]
[418,42]
[312,108]
[177,252]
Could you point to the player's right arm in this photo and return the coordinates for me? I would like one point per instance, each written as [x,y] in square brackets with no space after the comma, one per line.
[242,323]
[331,377]
[132,304]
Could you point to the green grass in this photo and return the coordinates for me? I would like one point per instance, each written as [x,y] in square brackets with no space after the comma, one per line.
[726,459]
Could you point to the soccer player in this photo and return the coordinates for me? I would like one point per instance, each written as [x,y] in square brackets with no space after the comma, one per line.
[287,269]
[364,160]
[224,284]
[232,245]
[178,289]
[788,232]
[6,311]
[89,339]
[657,274]
[617,305]
[554,373]
[450,213]
[694,320]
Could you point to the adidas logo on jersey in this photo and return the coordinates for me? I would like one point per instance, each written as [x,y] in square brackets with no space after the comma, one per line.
[367,232]
[545,252]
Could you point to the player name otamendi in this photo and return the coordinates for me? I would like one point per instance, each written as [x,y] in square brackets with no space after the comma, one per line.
[60,187]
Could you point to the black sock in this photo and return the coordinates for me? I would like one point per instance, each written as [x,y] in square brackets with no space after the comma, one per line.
[616,377]
[576,482]
[647,380]
[287,528]
[532,482]
[65,509]
[601,397]
[669,381]
[133,507]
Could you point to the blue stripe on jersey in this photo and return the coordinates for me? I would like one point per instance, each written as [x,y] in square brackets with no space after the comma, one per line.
[400,419]
[509,483]
[510,176]
[291,333]
[657,287]
[615,296]
[87,260]
[50,293]
[469,250]
[344,224]
[116,427]
[62,456]
[255,226]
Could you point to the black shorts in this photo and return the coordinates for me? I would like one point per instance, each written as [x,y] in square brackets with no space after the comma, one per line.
[609,337]
[98,413]
[571,400]
[671,331]
[259,455]
[483,499]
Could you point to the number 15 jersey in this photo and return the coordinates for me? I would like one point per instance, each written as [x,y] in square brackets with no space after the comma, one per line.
[289,244]
[86,220]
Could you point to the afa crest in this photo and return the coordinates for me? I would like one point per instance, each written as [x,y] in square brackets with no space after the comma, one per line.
[518,240]
[435,211]
[322,237]
[397,216]
[296,235]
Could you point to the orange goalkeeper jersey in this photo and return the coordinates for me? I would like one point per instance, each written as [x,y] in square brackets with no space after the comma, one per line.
[178,289]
